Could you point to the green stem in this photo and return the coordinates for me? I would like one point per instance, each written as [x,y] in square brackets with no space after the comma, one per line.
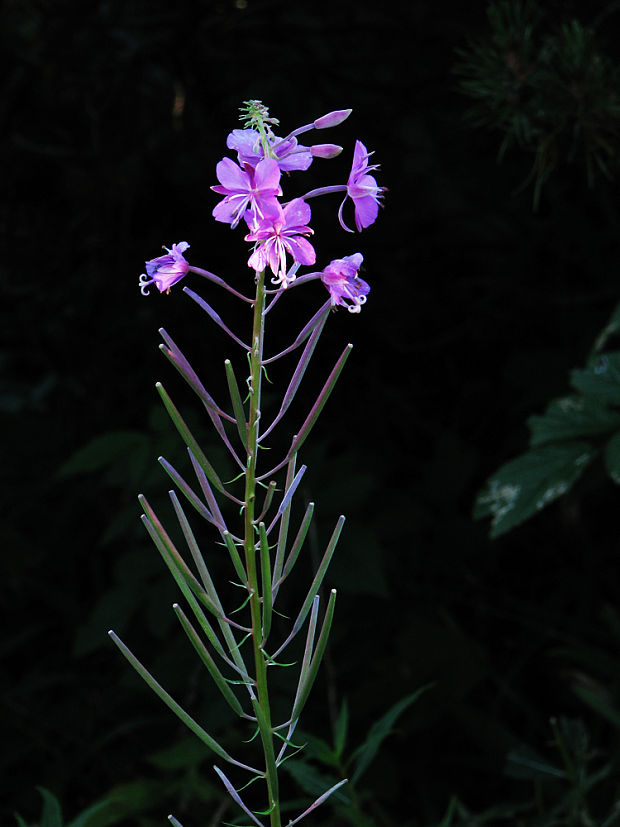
[261,705]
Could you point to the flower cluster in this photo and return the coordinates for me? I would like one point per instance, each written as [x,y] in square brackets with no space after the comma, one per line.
[252,193]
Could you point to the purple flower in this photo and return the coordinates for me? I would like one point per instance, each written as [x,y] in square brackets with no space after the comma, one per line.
[279,233]
[362,189]
[165,270]
[251,188]
[288,153]
[344,285]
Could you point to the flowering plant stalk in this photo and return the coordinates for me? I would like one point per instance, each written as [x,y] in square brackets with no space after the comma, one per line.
[238,654]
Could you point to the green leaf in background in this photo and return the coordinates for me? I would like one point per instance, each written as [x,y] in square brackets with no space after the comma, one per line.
[600,379]
[118,453]
[365,753]
[571,417]
[524,762]
[612,328]
[313,782]
[527,484]
[52,814]
[611,457]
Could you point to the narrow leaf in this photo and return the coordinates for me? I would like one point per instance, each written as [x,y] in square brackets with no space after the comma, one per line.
[189,440]
[235,795]
[297,544]
[208,661]
[305,332]
[316,584]
[235,397]
[235,558]
[322,398]
[174,706]
[283,531]
[288,496]
[265,570]
[313,668]
[300,370]
[314,413]
[189,493]
[213,315]
[318,802]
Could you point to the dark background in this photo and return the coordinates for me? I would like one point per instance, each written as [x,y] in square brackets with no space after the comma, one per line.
[479,308]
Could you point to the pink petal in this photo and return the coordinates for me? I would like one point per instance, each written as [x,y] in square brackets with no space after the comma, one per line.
[366,211]
[302,250]
[297,213]
[232,176]
[267,176]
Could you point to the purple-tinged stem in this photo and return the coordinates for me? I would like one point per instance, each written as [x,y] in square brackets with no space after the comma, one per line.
[303,335]
[286,499]
[324,191]
[299,371]
[315,411]
[217,280]
[216,318]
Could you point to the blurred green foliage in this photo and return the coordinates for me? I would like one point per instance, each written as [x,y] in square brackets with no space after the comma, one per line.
[571,433]
[547,87]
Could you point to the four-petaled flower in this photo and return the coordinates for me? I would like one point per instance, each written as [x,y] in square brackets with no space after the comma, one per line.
[344,285]
[279,233]
[288,153]
[362,189]
[254,188]
[164,271]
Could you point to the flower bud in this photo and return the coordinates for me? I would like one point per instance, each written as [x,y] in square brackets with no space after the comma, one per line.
[332,118]
[325,150]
